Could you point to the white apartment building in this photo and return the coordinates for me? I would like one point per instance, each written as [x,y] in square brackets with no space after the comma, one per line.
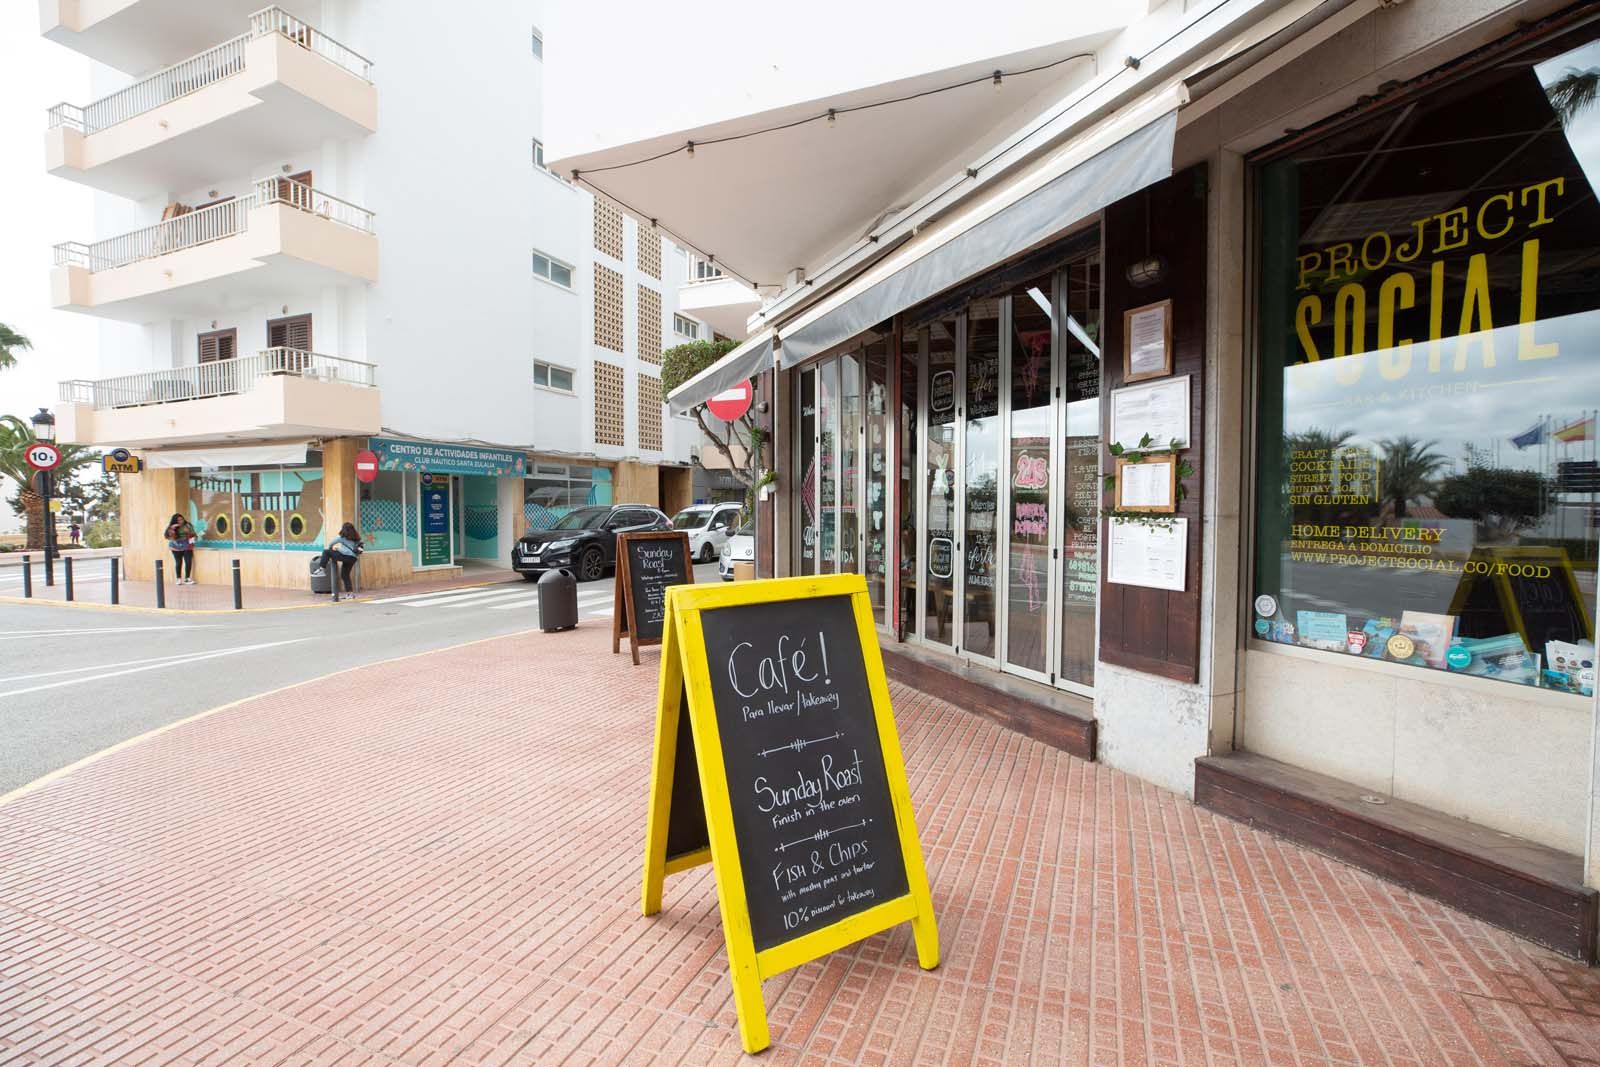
[325,228]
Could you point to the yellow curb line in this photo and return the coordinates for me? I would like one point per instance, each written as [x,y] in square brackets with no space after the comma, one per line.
[62,772]
[148,610]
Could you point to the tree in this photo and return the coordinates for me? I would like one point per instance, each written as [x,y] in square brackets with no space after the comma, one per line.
[15,437]
[741,441]
[11,342]
[1408,470]
[1501,500]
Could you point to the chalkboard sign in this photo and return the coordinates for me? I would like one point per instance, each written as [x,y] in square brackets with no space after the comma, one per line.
[648,563]
[1530,587]
[806,818]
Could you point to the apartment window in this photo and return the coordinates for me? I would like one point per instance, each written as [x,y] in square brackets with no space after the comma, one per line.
[219,344]
[685,326]
[538,44]
[552,377]
[552,270]
[538,153]
[702,270]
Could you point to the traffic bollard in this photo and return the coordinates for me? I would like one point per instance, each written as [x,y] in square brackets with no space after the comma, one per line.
[27,576]
[238,590]
[66,563]
[161,589]
[116,594]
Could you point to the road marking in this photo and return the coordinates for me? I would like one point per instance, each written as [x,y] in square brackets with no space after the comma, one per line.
[96,667]
[154,666]
[438,594]
[28,635]
[586,600]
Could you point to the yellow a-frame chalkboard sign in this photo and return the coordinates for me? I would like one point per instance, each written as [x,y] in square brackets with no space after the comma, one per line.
[798,797]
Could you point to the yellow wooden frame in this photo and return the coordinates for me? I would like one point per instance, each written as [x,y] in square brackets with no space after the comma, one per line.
[683,660]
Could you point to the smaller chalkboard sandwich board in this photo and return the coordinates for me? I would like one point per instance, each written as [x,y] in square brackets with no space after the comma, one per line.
[788,778]
[647,563]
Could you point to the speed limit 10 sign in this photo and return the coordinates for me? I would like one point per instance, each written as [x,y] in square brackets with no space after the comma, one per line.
[43,456]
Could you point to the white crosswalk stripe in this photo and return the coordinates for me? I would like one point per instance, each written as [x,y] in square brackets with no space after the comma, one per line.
[507,597]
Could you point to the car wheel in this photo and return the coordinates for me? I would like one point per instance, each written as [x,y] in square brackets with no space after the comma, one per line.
[529,576]
[591,565]
[707,554]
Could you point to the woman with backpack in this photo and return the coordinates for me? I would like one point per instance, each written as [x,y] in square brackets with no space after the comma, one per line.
[180,538]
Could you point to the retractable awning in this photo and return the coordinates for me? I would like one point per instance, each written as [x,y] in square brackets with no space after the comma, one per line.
[1118,157]
[746,361]
[225,456]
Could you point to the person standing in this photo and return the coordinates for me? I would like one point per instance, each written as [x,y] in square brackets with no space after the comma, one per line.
[346,548]
[180,537]
[75,531]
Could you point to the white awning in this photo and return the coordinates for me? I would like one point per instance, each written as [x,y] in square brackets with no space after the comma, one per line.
[291,452]
[746,361]
[1117,157]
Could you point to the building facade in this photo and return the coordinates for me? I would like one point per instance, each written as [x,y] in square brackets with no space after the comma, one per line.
[1225,414]
[324,231]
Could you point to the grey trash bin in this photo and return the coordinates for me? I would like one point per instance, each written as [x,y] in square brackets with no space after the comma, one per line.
[321,576]
[558,601]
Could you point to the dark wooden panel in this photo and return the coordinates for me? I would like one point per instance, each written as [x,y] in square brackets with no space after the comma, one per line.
[1534,891]
[1055,719]
[1156,630]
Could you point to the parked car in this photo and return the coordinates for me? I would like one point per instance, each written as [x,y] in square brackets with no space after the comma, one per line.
[708,526]
[583,540]
[741,548]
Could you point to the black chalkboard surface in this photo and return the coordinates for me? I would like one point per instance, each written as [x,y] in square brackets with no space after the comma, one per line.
[647,564]
[811,808]
[686,821]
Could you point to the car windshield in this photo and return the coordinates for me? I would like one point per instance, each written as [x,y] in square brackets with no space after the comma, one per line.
[747,530]
[691,519]
[582,519]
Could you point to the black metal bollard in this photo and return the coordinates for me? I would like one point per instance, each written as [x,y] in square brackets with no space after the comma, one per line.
[27,576]
[66,563]
[161,588]
[116,593]
[238,589]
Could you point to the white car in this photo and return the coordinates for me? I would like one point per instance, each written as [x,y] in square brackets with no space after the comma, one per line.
[708,527]
[741,548]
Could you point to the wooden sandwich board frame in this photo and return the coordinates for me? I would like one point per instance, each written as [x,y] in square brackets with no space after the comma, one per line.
[623,620]
[684,642]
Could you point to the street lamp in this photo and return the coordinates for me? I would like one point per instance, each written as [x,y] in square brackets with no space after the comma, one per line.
[44,429]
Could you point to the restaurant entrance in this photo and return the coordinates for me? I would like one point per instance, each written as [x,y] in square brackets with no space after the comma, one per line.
[993,432]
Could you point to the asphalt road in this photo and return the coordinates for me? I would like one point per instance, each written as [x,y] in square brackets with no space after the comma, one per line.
[74,681]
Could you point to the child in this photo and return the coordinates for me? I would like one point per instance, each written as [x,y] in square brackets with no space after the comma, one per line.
[180,537]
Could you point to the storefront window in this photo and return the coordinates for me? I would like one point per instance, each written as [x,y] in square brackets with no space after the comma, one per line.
[850,457]
[809,480]
[1028,468]
[906,460]
[875,513]
[383,502]
[1427,470]
[827,465]
[273,508]
[1080,535]
[982,475]
[554,489]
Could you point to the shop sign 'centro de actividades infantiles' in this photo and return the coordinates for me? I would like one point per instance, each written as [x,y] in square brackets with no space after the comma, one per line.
[396,455]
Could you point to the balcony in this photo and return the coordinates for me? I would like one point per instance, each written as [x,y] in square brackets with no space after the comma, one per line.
[276,393]
[138,36]
[283,239]
[272,92]
[720,301]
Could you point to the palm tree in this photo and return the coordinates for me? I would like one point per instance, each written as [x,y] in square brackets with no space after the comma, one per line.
[1573,93]
[15,437]
[1408,470]
[10,343]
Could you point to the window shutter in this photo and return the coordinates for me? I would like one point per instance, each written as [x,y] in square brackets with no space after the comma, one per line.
[219,345]
[300,333]
[225,346]
[208,348]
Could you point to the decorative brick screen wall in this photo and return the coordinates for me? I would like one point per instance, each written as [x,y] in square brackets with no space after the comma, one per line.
[649,311]
[649,413]
[649,253]
[610,407]
[607,230]
[607,308]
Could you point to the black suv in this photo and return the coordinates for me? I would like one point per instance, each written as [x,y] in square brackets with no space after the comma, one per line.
[584,540]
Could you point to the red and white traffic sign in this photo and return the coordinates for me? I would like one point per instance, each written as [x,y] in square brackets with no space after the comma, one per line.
[731,402]
[366,465]
[43,456]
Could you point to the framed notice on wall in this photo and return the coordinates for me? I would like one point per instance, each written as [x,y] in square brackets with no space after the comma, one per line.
[1149,485]
[1147,341]
[1154,556]
[1159,409]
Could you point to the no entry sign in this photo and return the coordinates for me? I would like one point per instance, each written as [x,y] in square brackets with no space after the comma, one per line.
[366,465]
[43,456]
[732,402]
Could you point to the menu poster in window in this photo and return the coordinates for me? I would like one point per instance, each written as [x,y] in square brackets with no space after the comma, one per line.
[1154,555]
[647,563]
[809,827]
[1147,341]
[1159,410]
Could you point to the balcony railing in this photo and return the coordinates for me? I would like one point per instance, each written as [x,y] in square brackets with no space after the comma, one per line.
[208,224]
[199,71]
[701,270]
[223,377]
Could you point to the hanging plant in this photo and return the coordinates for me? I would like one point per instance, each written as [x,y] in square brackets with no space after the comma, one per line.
[1146,449]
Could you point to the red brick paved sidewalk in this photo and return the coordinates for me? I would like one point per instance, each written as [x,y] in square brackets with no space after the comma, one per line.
[437,860]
